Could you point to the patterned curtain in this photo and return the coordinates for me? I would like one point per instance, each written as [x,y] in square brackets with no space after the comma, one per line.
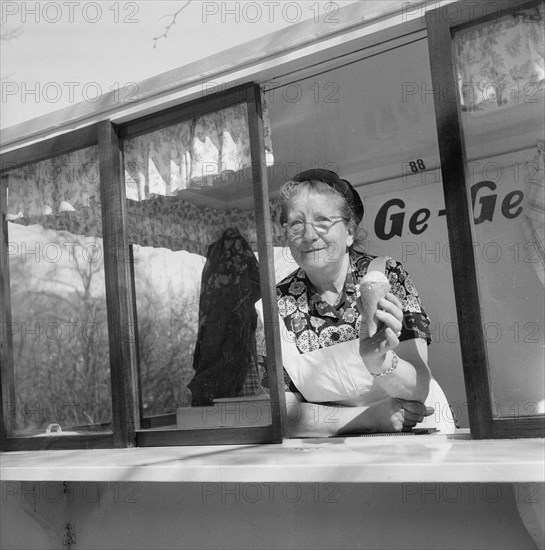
[170,222]
[61,193]
[191,154]
[502,62]
[195,154]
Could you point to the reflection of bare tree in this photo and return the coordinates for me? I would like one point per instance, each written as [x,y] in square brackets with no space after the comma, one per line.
[61,344]
[92,314]
[60,335]
[167,331]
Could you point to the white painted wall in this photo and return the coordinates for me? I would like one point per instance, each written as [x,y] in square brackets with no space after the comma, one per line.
[269,515]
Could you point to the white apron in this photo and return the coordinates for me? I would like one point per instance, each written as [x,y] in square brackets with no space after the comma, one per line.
[337,374]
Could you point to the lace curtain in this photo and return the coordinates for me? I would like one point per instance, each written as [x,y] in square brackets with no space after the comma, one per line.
[61,193]
[191,154]
[170,222]
[200,153]
[501,63]
[64,194]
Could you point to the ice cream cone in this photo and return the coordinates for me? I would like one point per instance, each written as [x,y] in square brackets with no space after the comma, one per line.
[374,286]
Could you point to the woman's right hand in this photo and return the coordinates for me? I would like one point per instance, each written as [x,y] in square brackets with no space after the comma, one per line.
[398,415]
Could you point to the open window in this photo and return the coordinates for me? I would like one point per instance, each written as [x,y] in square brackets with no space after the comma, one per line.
[132,261]
[488,69]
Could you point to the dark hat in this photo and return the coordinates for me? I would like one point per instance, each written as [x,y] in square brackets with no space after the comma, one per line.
[335,182]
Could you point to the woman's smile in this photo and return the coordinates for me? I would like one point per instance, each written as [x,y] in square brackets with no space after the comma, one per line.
[319,254]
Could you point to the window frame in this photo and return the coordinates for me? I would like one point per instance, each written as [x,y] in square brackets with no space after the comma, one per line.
[36,152]
[273,433]
[459,214]
[127,430]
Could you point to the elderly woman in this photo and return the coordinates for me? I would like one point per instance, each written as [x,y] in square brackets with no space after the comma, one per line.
[340,379]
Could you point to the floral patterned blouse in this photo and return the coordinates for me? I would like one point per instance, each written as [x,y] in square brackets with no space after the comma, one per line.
[312,323]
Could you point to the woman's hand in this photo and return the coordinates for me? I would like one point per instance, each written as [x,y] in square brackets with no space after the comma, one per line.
[398,415]
[373,349]
[393,414]
[320,420]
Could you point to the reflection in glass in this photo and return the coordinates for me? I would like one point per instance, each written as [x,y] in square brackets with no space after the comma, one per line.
[192,226]
[59,327]
[501,68]
[225,358]
[167,293]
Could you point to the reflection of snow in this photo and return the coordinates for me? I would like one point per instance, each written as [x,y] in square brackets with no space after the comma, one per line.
[11,217]
[49,260]
[54,261]
[65,206]
[173,274]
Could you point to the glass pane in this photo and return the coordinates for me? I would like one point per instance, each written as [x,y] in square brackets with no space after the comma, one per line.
[381,136]
[58,304]
[500,68]
[192,226]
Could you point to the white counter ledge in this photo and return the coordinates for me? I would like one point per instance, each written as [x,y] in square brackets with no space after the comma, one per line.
[378,459]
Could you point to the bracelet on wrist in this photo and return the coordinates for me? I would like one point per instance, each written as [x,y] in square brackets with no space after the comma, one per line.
[392,368]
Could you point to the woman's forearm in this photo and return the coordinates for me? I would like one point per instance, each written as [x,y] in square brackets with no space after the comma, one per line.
[407,381]
[316,420]
[405,375]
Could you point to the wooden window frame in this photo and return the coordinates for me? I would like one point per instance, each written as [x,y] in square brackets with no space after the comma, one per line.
[119,278]
[459,214]
[273,433]
[65,143]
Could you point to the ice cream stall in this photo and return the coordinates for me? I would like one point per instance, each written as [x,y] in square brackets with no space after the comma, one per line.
[140,383]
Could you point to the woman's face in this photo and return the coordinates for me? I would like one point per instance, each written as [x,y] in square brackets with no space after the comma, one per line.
[316,253]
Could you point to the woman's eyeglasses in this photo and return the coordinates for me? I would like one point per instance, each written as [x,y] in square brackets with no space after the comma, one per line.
[323,226]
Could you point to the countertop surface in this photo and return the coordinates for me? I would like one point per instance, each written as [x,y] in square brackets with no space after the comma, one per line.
[382,459]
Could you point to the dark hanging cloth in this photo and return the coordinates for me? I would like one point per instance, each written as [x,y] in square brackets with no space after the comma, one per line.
[226,345]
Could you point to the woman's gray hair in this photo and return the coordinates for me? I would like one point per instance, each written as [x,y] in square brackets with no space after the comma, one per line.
[291,189]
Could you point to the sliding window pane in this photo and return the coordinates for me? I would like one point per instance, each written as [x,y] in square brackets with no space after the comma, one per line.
[197,286]
[58,326]
[500,68]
